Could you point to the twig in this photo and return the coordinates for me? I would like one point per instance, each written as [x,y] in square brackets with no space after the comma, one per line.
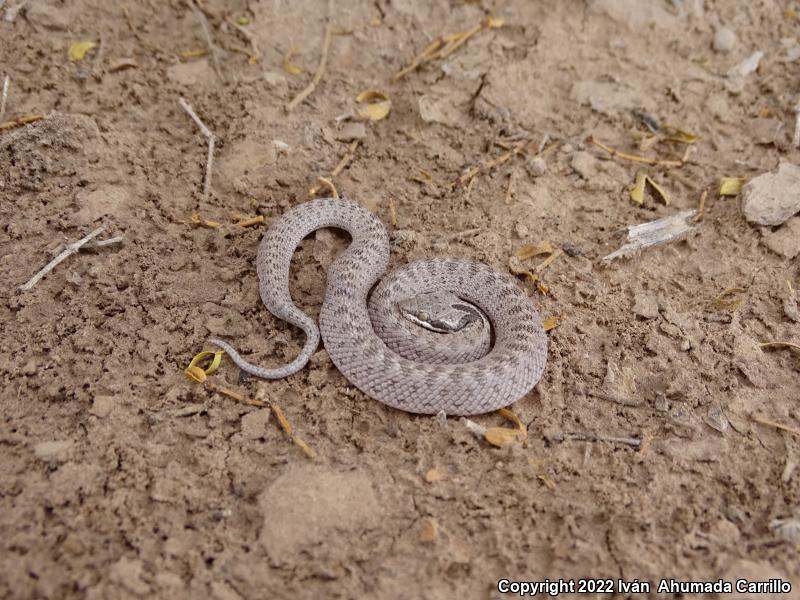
[211,47]
[640,159]
[796,136]
[13,11]
[4,96]
[24,120]
[610,398]
[68,251]
[780,344]
[348,156]
[211,141]
[775,424]
[256,53]
[101,243]
[323,61]
[701,207]
[593,437]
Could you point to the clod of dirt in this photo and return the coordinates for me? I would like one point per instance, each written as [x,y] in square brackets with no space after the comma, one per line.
[785,240]
[309,503]
[771,198]
[645,306]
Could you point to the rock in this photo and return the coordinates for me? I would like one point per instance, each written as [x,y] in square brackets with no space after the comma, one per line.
[537,166]
[764,130]
[48,16]
[584,164]
[254,424]
[102,406]
[724,39]
[56,450]
[190,73]
[771,198]
[747,66]
[605,97]
[785,240]
[636,14]
[351,131]
[645,306]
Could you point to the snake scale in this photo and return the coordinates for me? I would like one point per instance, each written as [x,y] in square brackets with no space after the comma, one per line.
[362,331]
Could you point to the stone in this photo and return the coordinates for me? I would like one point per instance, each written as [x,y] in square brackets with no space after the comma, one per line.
[56,450]
[784,241]
[190,73]
[351,131]
[102,406]
[724,39]
[537,166]
[584,164]
[645,306]
[771,198]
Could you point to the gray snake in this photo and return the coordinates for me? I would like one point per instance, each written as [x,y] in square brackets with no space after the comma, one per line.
[365,336]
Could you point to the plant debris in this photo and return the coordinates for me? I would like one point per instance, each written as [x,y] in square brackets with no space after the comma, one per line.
[654,233]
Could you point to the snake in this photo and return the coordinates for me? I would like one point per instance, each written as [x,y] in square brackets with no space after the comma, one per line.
[377,328]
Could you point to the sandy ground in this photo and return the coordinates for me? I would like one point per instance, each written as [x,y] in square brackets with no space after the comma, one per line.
[119,478]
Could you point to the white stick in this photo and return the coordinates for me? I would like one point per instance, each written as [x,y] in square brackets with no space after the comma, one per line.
[211,142]
[796,136]
[211,47]
[4,96]
[68,251]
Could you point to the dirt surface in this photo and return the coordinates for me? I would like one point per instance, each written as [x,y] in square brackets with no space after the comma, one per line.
[120,478]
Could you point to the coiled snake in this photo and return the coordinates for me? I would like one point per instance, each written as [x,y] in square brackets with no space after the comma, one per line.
[381,348]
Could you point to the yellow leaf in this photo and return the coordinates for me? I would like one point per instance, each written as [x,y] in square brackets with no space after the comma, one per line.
[529,250]
[77,50]
[681,136]
[660,191]
[243,20]
[289,66]
[495,22]
[196,374]
[551,322]
[731,186]
[375,105]
[637,193]
[501,436]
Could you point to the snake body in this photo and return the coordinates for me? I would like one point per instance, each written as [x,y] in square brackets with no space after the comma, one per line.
[386,360]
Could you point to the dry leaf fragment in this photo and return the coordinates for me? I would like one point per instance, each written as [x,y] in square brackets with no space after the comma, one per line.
[430,532]
[502,436]
[727,299]
[77,50]
[678,135]
[551,322]
[289,66]
[731,186]
[375,105]
[529,250]
[637,193]
[433,475]
[194,53]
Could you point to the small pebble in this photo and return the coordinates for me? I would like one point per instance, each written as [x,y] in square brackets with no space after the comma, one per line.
[536,166]
[724,39]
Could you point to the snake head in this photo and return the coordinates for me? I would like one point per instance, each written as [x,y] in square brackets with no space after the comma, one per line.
[440,311]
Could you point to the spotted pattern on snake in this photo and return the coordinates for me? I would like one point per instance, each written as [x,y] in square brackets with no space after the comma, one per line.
[392,368]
